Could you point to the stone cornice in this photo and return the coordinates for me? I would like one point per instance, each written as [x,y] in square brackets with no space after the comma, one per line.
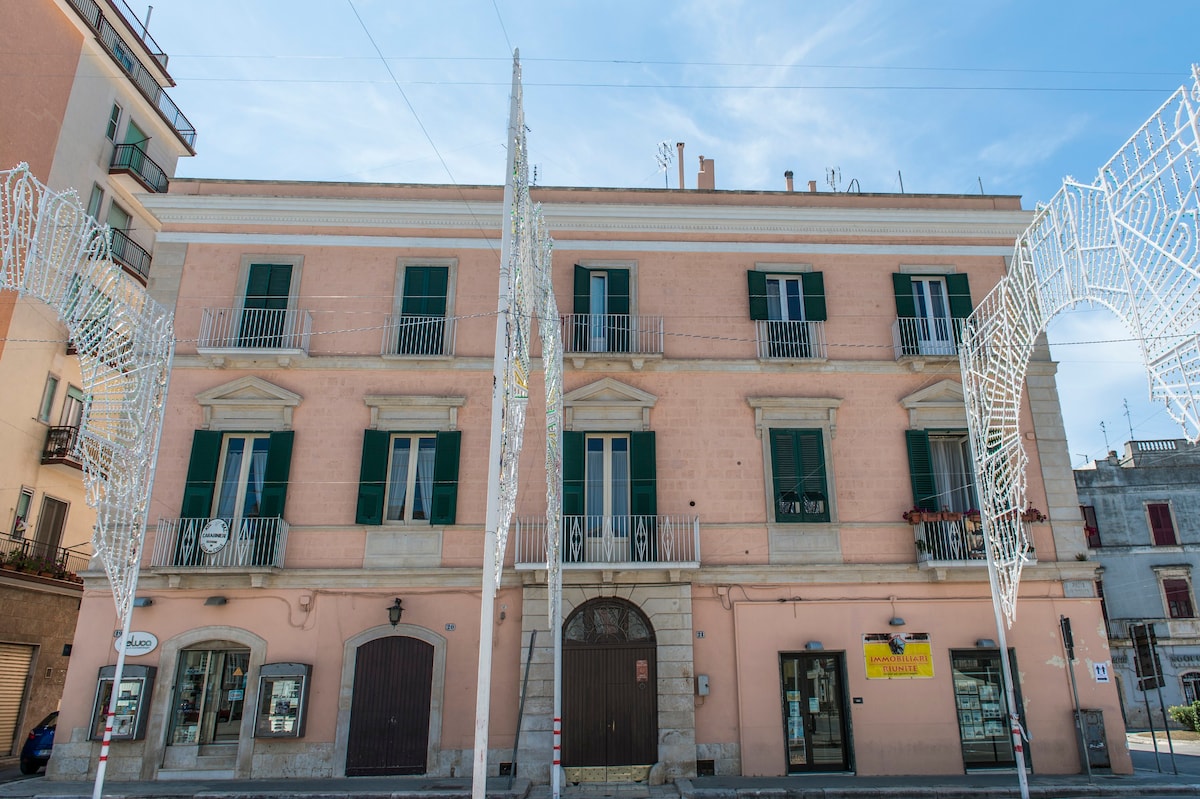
[651,219]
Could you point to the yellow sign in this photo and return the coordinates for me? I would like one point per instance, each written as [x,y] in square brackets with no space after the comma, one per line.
[897,656]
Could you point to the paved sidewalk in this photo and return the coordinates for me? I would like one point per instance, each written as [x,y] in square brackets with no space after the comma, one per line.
[1143,785]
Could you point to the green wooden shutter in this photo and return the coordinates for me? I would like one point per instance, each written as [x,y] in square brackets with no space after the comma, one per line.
[798,472]
[813,284]
[275,475]
[618,291]
[573,503]
[643,499]
[958,287]
[372,477]
[757,283]
[583,289]
[643,480]
[268,286]
[573,474]
[425,289]
[202,475]
[920,469]
[906,306]
[444,500]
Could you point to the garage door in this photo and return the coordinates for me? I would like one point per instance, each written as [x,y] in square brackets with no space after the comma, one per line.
[15,660]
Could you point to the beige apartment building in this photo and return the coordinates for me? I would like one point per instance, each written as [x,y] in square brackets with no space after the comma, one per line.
[760,388]
[83,103]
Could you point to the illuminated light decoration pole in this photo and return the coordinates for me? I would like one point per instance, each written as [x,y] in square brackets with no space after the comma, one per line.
[525,291]
[53,250]
[1129,241]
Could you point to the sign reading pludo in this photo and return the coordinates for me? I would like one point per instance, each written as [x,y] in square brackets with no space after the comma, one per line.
[897,656]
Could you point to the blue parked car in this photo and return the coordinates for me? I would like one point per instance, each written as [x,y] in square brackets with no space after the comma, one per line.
[36,751]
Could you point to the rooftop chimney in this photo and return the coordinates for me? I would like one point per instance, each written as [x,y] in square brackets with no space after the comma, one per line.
[788,177]
[706,179]
[812,187]
[679,150]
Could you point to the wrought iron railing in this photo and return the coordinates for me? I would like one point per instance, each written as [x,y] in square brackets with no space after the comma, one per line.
[33,557]
[953,538]
[138,27]
[132,159]
[129,254]
[929,336]
[627,541]
[790,340]
[612,333]
[220,543]
[407,334]
[123,54]
[255,329]
[60,444]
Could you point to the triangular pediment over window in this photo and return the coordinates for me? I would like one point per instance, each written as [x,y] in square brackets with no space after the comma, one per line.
[248,403]
[937,406]
[608,405]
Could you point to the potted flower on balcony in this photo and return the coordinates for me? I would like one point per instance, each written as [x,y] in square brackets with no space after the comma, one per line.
[914,515]
[1032,515]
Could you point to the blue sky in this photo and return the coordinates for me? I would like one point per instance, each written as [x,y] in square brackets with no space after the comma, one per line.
[944,96]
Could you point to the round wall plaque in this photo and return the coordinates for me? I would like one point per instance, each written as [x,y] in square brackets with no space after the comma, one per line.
[214,536]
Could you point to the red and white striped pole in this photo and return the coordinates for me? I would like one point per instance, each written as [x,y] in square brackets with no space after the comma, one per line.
[118,673]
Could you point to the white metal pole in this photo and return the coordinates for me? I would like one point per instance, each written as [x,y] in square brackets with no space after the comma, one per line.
[556,621]
[491,554]
[101,766]
[1014,720]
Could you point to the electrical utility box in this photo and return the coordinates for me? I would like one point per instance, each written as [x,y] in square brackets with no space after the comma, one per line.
[1092,724]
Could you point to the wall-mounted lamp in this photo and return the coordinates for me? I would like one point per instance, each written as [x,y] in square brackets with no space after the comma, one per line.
[896,621]
[216,600]
[142,601]
[985,643]
[814,645]
[395,610]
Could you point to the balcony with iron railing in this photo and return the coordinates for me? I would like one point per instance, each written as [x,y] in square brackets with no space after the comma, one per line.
[952,539]
[220,543]
[25,557]
[131,159]
[411,335]
[274,331]
[130,255]
[788,340]
[60,446]
[604,542]
[926,337]
[124,55]
[612,334]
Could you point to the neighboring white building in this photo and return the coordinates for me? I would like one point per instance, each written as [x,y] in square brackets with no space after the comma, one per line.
[1142,516]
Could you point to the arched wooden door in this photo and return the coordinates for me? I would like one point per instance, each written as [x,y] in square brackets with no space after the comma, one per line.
[389,715]
[610,693]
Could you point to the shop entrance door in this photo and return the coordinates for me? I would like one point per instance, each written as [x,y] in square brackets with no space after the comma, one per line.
[210,693]
[814,712]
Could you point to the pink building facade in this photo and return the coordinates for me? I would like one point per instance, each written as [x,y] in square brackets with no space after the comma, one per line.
[758,387]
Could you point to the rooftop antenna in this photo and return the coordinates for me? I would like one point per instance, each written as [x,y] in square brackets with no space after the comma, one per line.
[1128,417]
[901,177]
[980,179]
[1086,457]
[833,176]
[664,158]
[1104,430]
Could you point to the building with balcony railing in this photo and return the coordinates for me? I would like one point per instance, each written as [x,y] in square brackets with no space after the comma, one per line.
[1140,511]
[85,104]
[739,441]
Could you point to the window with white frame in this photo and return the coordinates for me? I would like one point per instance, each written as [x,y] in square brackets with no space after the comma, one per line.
[242,472]
[928,307]
[785,306]
[941,469]
[48,394]
[1162,525]
[1177,596]
[410,477]
[114,122]
[20,522]
[1190,680]
[602,308]
[95,201]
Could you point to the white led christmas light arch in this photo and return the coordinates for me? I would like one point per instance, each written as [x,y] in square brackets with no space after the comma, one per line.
[1129,241]
[53,250]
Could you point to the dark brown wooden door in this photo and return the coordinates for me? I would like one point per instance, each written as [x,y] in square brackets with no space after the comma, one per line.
[609,705]
[389,715]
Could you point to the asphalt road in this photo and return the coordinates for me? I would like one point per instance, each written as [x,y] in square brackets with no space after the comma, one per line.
[1186,758]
